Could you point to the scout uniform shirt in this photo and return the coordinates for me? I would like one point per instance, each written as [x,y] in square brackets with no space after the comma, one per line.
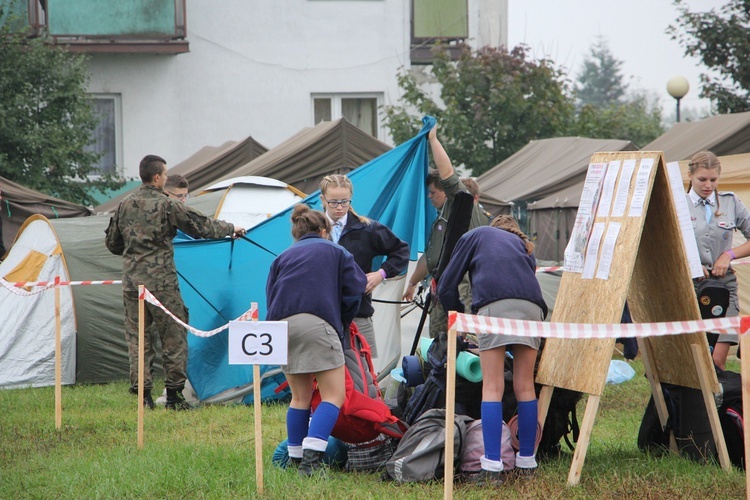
[714,237]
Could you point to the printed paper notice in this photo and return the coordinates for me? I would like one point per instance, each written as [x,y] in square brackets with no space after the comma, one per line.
[683,217]
[623,188]
[641,187]
[592,188]
[609,188]
[608,250]
[592,251]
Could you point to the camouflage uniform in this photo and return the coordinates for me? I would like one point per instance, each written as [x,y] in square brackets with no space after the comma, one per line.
[451,186]
[142,230]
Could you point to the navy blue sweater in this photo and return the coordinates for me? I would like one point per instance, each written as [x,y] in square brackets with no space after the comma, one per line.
[367,241]
[318,277]
[498,266]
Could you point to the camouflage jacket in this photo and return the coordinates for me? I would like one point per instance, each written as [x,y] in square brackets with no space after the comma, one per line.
[142,230]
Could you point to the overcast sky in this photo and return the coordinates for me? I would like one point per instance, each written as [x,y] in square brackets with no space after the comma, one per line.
[564,30]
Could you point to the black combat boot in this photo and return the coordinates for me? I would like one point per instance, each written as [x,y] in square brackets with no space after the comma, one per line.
[176,401]
[148,401]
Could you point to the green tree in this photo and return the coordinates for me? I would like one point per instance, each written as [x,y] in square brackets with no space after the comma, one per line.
[600,82]
[605,109]
[492,103]
[46,120]
[721,39]
[638,120]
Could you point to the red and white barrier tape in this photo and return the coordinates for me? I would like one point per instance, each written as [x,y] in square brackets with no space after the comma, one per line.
[552,269]
[15,287]
[252,313]
[467,323]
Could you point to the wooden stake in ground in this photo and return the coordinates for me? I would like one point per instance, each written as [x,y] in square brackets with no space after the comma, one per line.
[450,411]
[258,343]
[141,338]
[258,430]
[58,357]
[745,371]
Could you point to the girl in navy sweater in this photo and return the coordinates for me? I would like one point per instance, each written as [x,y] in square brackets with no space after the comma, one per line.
[503,284]
[316,287]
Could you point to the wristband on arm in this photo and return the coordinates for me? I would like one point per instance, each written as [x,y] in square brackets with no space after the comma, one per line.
[731,254]
[382,273]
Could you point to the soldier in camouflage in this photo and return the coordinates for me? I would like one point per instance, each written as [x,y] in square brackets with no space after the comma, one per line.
[142,230]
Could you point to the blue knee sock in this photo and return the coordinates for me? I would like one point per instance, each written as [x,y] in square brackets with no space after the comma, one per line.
[323,420]
[296,425]
[492,428]
[527,426]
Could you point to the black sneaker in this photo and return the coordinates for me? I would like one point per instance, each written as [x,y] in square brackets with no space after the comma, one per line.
[176,401]
[293,463]
[312,462]
[486,478]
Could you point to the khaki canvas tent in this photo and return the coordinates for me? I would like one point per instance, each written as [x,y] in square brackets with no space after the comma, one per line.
[335,147]
[541,169]
[207,165]
[19,203]
[94,347]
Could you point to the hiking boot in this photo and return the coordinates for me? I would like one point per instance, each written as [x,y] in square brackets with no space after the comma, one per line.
[148,401]
[486,478]
[293,463]
[312,462]
[176,401]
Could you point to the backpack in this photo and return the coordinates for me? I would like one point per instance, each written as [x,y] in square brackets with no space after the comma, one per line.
[364,415]
[689,422]
[420,455]
[561,423]
[474,449]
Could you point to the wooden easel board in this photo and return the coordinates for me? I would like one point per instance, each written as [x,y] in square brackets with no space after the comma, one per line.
[649,268]
[652,273]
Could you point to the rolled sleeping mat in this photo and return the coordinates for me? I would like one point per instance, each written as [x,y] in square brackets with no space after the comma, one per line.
[467,364]
[412,371]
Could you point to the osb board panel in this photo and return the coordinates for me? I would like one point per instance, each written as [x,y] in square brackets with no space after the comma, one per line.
[582,364]
[661,290]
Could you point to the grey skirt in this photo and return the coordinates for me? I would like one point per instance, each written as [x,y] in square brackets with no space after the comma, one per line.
[511,309]
[314,345]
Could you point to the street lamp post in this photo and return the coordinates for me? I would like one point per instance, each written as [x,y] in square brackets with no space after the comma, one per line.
[677,87]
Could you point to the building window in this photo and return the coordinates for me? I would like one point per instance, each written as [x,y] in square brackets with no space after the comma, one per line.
[433,21]
[106,135]
[360,110]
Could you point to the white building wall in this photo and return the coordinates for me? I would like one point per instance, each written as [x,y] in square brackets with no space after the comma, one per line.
[251,70]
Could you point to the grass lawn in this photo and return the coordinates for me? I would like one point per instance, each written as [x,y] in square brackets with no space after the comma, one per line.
[209,453]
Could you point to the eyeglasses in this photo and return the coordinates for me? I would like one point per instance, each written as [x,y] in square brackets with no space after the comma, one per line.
[334,203]
[182,196]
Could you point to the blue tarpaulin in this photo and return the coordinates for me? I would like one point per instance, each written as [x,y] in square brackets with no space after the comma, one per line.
[219,279]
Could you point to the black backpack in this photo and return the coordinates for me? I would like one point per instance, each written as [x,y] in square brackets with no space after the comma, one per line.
[689,422]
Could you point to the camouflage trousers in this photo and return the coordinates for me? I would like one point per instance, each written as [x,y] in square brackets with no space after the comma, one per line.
[173,338]
[438,320]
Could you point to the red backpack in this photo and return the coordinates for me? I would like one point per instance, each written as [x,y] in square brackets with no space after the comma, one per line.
[364,415]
